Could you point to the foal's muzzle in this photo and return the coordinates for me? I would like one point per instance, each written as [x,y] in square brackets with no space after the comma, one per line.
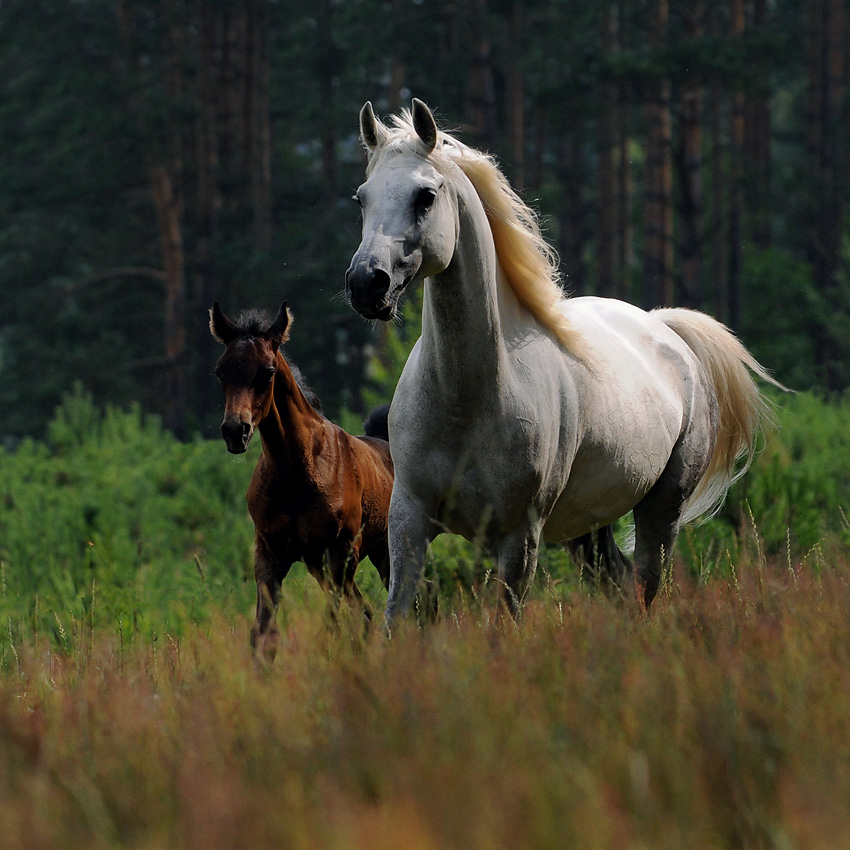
[236,433]
[368,288]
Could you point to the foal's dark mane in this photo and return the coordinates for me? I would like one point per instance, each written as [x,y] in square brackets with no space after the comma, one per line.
[315,401]
[256,323]
[253,323]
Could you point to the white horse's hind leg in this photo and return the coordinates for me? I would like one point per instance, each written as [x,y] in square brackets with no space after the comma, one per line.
[658,515]
[411,531]
[656,529]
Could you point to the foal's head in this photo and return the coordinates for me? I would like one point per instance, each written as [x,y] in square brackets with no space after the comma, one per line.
[246,370]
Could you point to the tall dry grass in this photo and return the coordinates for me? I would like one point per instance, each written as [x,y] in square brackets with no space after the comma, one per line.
[722,721]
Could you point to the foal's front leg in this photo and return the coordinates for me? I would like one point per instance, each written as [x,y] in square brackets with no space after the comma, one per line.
[336,575]
[269,572]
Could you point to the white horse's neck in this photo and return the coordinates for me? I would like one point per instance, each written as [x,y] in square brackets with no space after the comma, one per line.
[461,339]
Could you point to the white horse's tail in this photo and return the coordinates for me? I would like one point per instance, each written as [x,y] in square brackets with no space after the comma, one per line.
[743,410]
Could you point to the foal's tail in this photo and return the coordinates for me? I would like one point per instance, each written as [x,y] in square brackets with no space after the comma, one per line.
[743,410]
[376,423]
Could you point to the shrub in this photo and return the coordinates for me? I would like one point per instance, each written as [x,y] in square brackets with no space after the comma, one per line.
[797,494]
[112,520]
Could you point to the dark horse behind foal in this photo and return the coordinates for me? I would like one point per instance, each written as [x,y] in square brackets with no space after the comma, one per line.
[318,495]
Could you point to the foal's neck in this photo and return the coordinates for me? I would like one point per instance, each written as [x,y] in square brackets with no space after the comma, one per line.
[292,427]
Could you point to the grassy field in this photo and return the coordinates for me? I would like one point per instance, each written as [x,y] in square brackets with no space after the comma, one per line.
[133,716]
[721,721]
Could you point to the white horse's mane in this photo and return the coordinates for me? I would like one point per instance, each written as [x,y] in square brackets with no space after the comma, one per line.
[528,261]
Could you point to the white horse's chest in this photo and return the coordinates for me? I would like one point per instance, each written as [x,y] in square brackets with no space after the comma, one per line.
[476,465]
[464,483]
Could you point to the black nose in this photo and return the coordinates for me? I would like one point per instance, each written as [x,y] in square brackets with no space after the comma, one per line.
[236,434]
[367,289]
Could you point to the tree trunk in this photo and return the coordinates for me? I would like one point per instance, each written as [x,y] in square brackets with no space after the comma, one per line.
[397,69]
[625,239]
[168,205]
[537,148]
[516,97]
[164,154]
[607,213]
[208,206]
[482,97]
[231,107]
[827,142]
[719,268]
[167,186]
[690,166]
[659,179]
[260,170]
[736,175]
[572,213]
[757,142]
[327,69]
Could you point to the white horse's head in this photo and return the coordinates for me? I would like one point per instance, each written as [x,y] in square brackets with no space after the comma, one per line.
[409,213]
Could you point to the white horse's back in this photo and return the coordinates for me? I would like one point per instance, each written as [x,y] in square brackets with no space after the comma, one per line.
[640,391]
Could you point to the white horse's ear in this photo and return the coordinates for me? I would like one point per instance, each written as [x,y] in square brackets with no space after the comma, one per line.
[372,131]
[424,124]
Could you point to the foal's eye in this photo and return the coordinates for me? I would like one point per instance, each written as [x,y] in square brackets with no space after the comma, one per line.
[424,201]
[264,376]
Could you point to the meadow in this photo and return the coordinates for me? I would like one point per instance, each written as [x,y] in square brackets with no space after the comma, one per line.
[133,716]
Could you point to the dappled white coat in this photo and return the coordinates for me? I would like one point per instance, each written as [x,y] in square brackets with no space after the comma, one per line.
[508,426]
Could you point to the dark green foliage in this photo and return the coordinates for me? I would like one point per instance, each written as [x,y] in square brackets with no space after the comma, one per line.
[781,313]
[795,501]
[79,127]
[800,484]
[113,522]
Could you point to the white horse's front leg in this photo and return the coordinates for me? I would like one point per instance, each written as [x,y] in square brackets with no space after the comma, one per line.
[516,559]
[411,531]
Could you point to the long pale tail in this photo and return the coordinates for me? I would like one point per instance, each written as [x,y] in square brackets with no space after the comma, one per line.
[744,411]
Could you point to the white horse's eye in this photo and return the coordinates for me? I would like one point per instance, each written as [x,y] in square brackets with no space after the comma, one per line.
[424,201]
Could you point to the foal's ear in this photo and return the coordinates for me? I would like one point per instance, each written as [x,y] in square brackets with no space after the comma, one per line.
[424,124]
[279,330]
[220,326]
[372,131]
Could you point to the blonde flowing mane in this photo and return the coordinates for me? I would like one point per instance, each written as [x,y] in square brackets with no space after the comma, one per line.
[527,260]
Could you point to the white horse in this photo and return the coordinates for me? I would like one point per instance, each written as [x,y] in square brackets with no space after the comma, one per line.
[522,415]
